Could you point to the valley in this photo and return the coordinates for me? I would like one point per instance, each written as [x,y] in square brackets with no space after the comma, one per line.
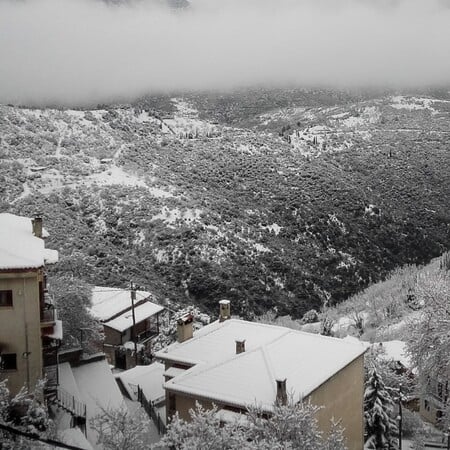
[284,200]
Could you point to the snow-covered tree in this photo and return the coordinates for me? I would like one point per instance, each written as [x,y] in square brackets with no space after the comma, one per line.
[386,368]
[381,429]
[72,296]
[29,411]
[291,426]
[26,412]
[429,340]
[120,429]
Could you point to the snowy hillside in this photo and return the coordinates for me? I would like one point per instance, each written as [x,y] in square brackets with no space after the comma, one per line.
[284,199]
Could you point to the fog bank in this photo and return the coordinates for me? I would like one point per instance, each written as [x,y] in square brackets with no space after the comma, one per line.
[86,51]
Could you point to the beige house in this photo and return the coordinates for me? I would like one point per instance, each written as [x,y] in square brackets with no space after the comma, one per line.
[433,403]
[29,330]
[128,339]
[234,363]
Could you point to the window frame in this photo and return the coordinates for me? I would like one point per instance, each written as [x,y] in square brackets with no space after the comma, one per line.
[12,357]
[6,294]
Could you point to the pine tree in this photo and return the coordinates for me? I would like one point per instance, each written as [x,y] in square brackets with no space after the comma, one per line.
[381,429]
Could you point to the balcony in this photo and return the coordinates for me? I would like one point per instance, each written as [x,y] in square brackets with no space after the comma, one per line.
[48,316]
[146,335]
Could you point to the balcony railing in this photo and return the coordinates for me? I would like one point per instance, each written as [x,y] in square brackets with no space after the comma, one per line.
[147,334]
[48,315]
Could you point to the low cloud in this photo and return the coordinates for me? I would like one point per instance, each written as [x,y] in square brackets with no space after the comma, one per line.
[88,51]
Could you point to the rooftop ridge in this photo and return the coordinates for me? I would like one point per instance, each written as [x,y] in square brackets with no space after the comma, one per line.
[202,367]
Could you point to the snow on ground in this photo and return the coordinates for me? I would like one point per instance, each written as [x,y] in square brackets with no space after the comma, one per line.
[313,141]
[116,175]
[274,228]
[75,437]
[370,115]
[184,108]
[186,122]
[25,193]
[412,103]
[98,390]
[261,248]
[285,113]
[98,113]
[171,216]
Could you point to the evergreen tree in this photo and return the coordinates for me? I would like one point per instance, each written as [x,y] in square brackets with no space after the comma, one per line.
[381,429]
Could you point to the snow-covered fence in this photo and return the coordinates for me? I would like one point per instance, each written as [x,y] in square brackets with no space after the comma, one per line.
[68,402]
[151,411]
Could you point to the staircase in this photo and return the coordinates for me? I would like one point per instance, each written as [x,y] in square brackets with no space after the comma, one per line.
[67,402]
[70,404]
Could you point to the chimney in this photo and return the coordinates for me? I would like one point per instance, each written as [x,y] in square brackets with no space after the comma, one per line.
[185,328]
[240,346]
[281,392]
[224,310]
[37,226]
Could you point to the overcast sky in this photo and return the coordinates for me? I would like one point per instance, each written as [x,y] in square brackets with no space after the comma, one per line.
[85,52]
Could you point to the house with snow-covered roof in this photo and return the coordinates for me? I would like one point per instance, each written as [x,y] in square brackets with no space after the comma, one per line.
[30,332]
[129,325]
[235,364]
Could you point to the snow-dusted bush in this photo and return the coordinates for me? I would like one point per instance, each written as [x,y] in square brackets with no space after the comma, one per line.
[119,429]
[291,426]
[27,412]
[310,316]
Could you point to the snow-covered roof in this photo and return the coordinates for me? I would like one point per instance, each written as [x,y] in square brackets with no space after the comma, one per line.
[149,378]
[98,390]
[19,247]
[141,312]
[395,350]
[107,302]
[305,360]
[216,341]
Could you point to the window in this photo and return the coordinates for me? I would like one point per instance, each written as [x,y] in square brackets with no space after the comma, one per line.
[8,361]
[172,403]
[6,298]
[440,391]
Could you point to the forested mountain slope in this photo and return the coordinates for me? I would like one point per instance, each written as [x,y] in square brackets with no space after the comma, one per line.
[270,198]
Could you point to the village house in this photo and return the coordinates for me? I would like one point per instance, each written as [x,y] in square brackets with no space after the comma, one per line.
[235,364]
[434,401]
[30,332]
[129,324]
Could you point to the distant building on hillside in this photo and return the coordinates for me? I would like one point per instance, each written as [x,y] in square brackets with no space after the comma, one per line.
[235,364]
[113,308]
[30,332]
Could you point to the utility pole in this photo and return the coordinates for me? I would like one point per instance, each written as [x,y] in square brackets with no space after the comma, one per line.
[133,334]
[400,417]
